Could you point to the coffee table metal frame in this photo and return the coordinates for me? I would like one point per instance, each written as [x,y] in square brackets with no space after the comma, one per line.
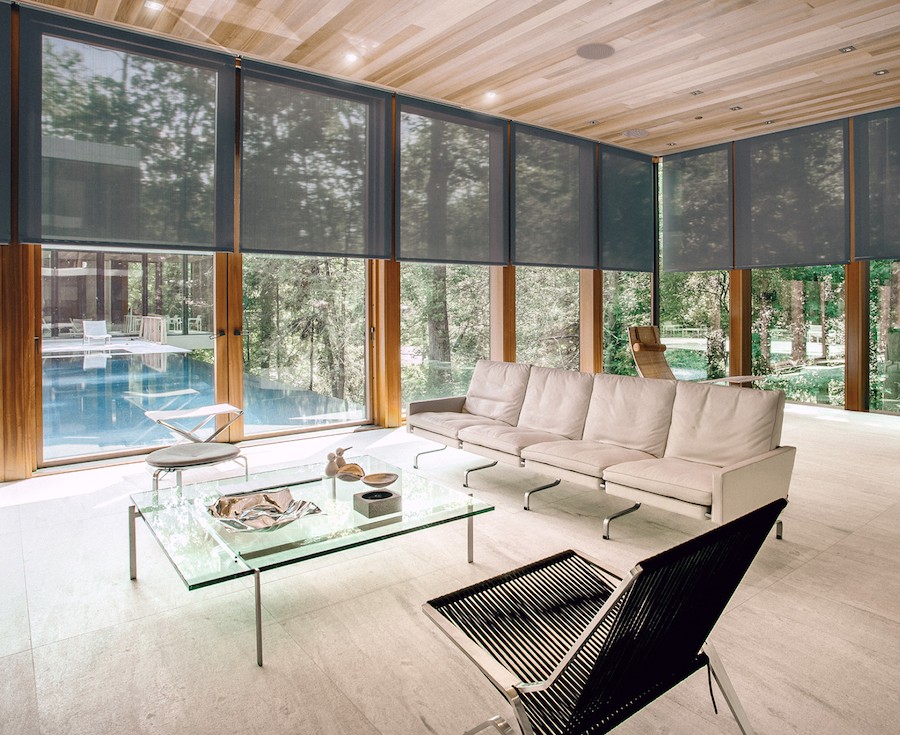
[204,552]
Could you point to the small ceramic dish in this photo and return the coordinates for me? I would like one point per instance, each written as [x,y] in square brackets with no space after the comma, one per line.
[380,479]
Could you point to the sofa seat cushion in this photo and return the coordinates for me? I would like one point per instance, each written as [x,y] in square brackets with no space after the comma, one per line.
[448,424]
[497,389]
[585,457]
[556,401]
[691,482]
[508,439]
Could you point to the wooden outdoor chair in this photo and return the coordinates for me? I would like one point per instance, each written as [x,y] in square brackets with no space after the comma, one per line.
[577,650]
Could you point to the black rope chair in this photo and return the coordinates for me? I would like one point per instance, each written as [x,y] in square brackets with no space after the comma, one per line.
[575,649]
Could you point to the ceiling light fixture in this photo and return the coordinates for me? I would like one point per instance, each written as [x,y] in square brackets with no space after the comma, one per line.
[736,108]
[671,144]
[595,51]
[696,93]
[847,49]
[880,72]
[491,95]
[351,57]
[154,6]
[769,122]
[699,117]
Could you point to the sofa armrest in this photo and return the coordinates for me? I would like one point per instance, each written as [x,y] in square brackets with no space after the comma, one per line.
[747,485]
[438,405]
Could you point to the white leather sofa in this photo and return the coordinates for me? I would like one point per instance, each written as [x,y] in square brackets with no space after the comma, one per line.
[702,450]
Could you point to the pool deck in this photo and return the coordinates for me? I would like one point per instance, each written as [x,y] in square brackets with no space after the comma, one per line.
[63,347]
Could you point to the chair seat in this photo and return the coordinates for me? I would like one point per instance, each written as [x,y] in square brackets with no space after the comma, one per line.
[191,455]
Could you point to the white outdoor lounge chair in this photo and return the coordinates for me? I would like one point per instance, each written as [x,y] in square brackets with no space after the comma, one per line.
[95,331]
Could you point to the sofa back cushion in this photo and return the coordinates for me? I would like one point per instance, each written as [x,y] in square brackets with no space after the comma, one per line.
[496,390]
[631,412]
[721,425]
[556,401]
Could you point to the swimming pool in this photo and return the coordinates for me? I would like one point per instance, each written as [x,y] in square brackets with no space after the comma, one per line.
[94,403]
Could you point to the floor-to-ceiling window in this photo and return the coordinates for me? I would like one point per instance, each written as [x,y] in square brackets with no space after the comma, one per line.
[444,327]
[884,335]
[626,303]
[547,317]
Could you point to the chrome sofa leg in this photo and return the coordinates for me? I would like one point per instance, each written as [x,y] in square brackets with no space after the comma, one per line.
[537,490]
[497,722]
[475,469]
[625,512]
[427,451]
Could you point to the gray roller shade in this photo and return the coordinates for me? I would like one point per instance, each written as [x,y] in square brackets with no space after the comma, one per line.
[554,199]
[315,178]
[126,140]
[627,211]
[791,203]
[876,162]
[697,232]
[452,195]
[5,123]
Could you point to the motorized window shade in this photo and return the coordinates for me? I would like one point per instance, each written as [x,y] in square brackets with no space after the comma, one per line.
[554,199]
[876,163]
[314,173]
[5,124]
[627,219]
[452,190]
[791,204]
[126,140]
[697,232]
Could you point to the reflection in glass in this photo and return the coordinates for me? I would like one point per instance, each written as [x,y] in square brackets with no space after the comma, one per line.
[304,342]
[444,327]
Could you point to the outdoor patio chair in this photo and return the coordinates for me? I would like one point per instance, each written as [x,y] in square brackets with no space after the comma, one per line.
[577,650]
[94,332]
[649,355]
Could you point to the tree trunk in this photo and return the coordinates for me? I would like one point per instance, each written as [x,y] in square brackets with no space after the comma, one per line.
[798,323]
[438,355]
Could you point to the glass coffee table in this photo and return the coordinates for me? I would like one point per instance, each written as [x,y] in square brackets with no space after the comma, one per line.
[206,551]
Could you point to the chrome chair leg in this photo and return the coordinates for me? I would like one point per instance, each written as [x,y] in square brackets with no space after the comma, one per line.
[497,722]
[427,451]
[537,490]
[625,512]
[475,469]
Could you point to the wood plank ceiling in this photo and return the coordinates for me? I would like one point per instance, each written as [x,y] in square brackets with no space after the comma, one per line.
[690,73]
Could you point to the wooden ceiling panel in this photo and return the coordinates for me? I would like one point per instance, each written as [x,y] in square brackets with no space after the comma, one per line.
[778,60]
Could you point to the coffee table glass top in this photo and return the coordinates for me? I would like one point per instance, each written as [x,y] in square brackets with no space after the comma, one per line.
[205,552]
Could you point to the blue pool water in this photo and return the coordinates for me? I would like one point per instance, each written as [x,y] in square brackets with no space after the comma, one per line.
[94,404]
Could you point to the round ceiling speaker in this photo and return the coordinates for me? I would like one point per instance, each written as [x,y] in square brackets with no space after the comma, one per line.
[595,51]
[635,133]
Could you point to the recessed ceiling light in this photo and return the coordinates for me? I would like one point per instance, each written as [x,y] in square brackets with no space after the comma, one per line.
[671,144]
[769,122]
[491,95]
[351,57]
[699,117]
[595,51]
[881,72]
[594,122]
[736,108]
[696,92]
[847,49]
[635,133]
[153,5]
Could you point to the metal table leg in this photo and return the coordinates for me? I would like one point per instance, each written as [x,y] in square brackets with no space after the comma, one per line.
[256,586]
[133,513]
[471,531]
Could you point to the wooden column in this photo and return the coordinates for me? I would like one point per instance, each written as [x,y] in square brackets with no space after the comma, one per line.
[503,313]
[740,323]
[856,317]
[384,342]
[20,344]
[229,346]
[591,320]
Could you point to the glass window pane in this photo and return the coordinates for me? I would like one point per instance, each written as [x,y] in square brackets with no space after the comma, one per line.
[304,342]
[626,303]
[798,332]
[693,315]
[555,199]
[128,147]
[790,198]
[884,321]
[451,188]
[309,170]
[95,392]
[444,327]
[547,317]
